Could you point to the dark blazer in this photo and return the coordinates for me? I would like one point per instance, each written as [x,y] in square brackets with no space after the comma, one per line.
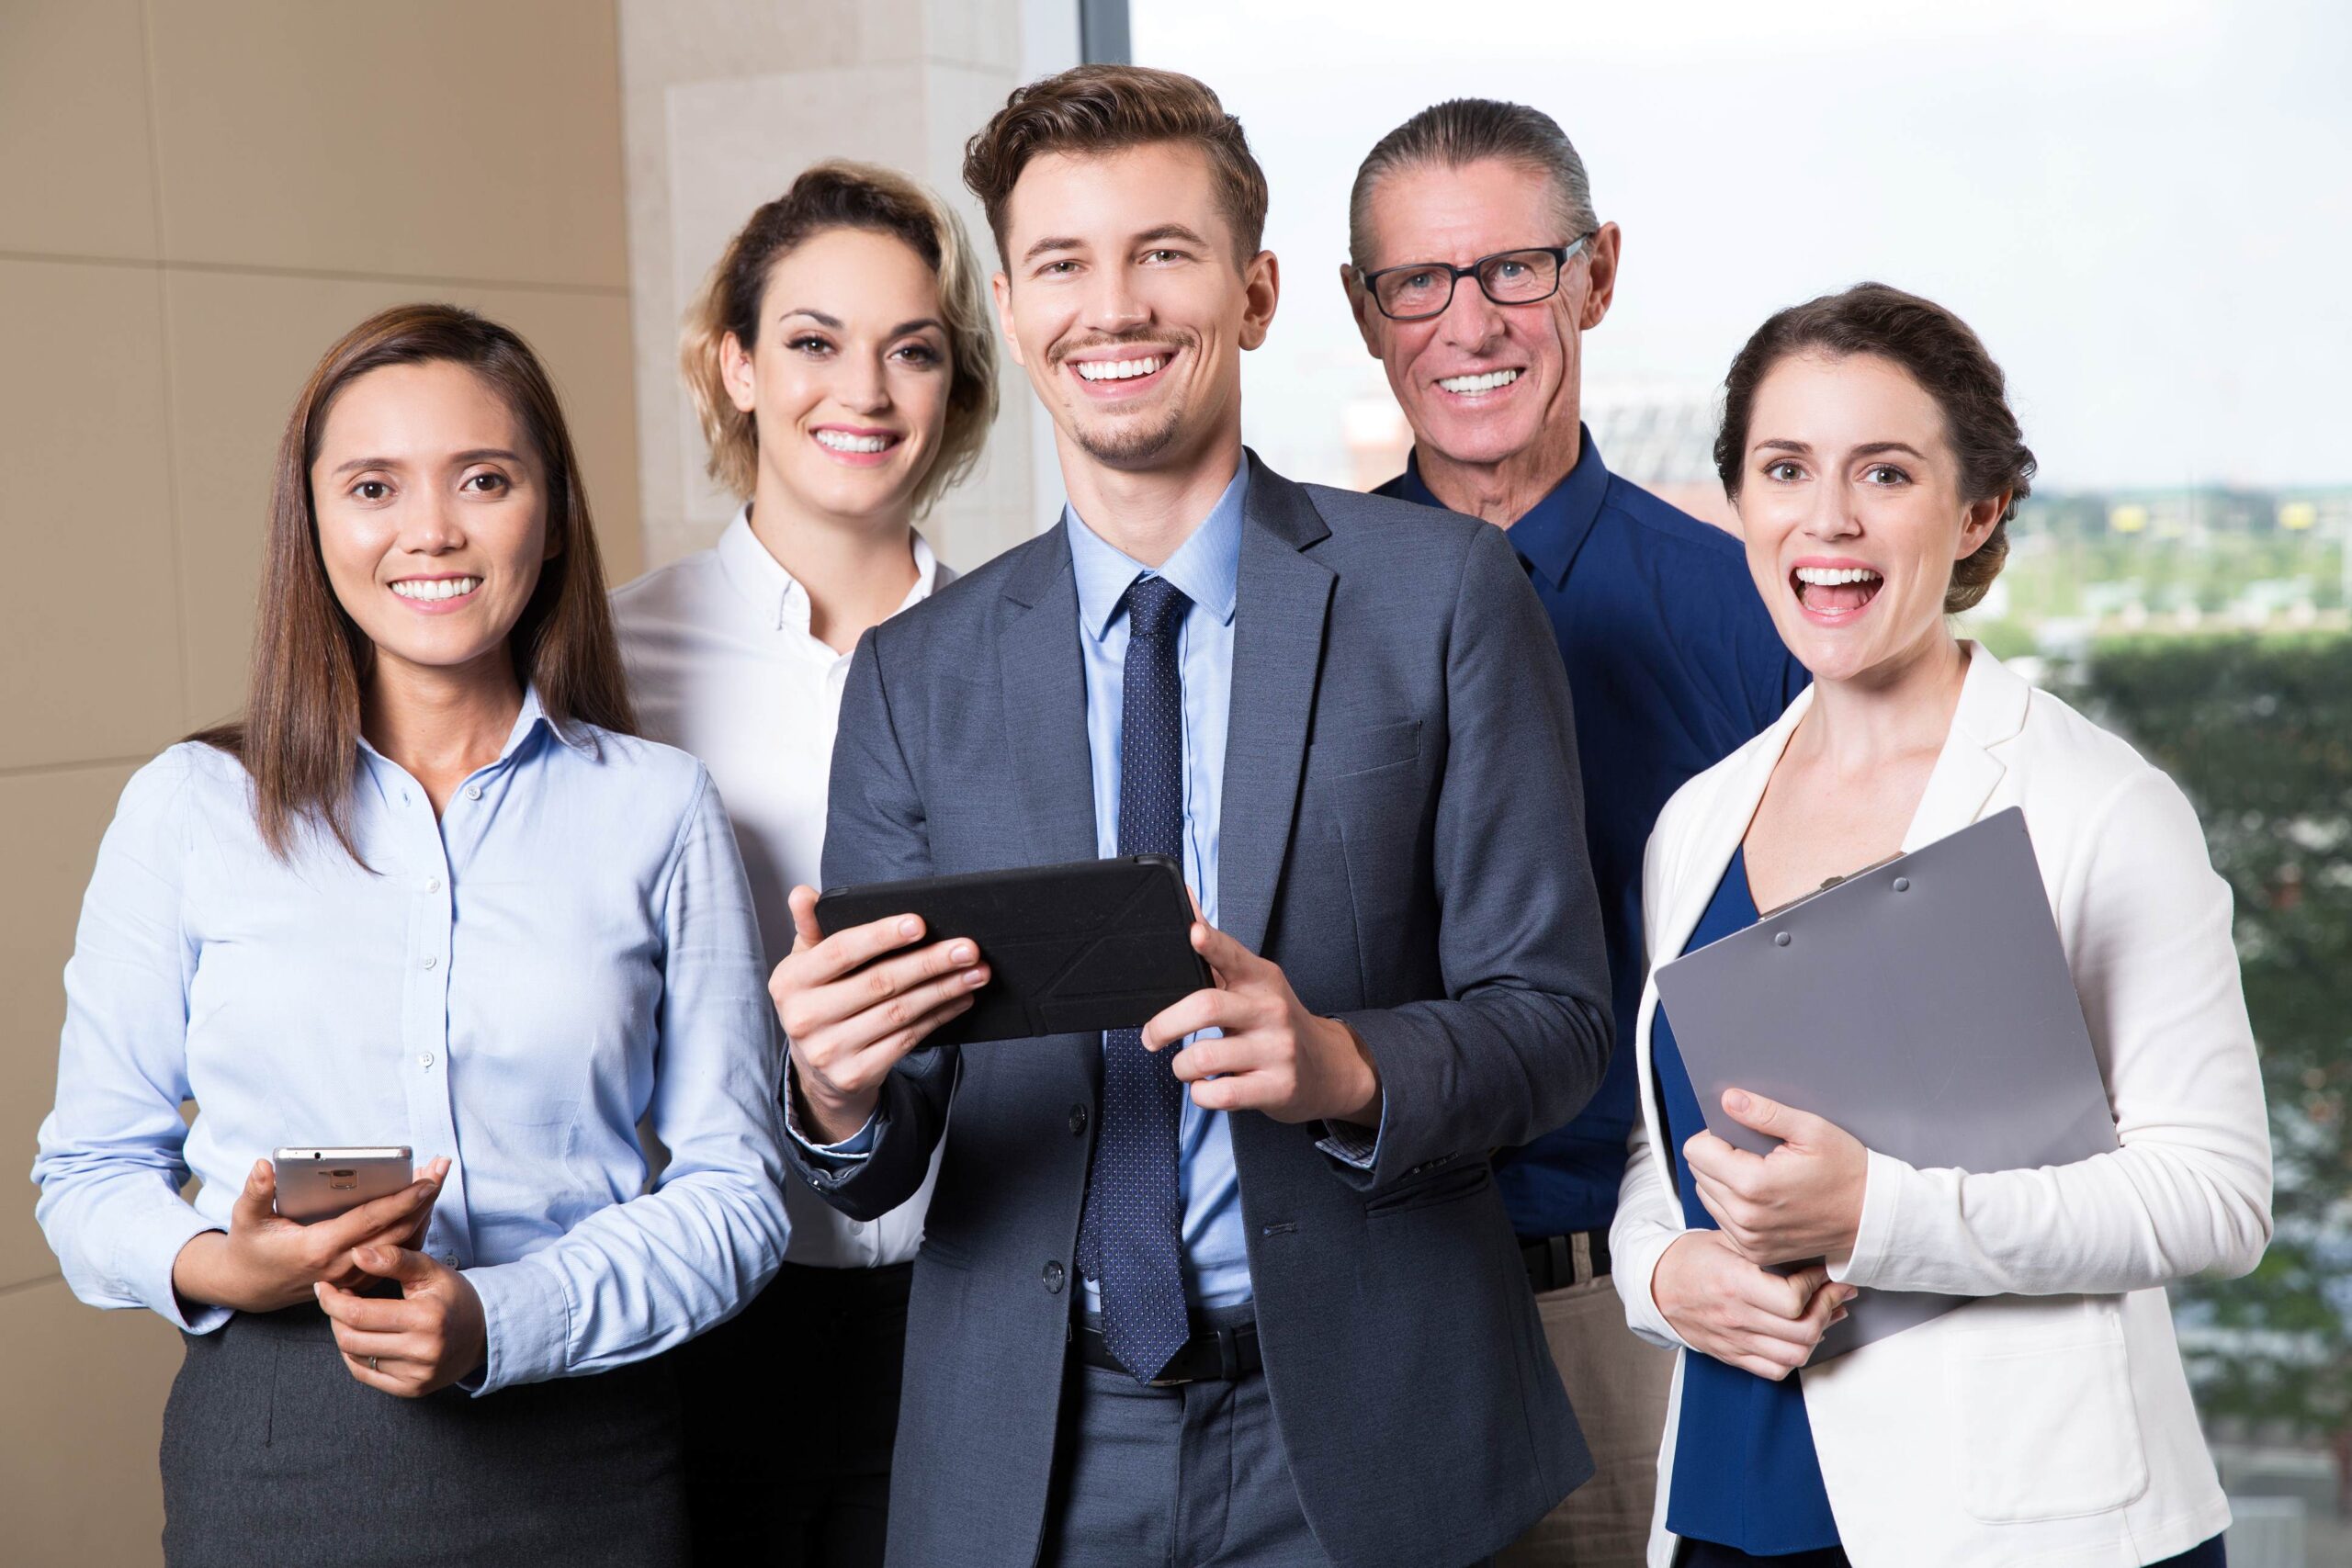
[1402,833]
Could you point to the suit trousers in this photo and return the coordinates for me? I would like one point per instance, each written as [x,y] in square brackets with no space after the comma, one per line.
[273,1453]
[1190,1476]
[1619,1385]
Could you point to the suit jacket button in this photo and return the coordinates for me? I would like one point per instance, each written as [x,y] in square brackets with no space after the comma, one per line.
[1078,1120]
[1052,1275]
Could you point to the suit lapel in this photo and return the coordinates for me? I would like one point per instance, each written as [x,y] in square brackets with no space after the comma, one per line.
[1044,681]
[1285,599]
[1992,709]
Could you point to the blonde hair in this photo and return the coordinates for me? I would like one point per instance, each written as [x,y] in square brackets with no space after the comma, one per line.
[838,194]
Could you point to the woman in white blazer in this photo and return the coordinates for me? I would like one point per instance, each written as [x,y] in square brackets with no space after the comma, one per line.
[1870,450]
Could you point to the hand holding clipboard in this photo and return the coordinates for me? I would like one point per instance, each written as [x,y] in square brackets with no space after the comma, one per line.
[1922,1059]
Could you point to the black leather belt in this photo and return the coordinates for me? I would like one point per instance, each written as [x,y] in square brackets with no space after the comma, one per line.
[1552,1260]
[1216,1355]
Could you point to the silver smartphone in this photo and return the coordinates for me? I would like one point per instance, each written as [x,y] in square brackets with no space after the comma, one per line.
[318,1183]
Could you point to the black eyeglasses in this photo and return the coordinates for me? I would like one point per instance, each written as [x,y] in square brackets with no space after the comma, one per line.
[1419,290]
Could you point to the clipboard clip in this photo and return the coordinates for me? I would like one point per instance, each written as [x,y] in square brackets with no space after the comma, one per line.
[1816,893]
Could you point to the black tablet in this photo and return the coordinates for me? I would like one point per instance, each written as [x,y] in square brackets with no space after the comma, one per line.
[1093,945]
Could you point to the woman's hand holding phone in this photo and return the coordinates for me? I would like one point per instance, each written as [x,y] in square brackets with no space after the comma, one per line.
[420,1344]
[1746,1316]
[264,1261]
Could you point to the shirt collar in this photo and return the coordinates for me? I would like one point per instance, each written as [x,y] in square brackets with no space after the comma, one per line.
[1207,566]
[527,721]
[571,732]
[1551,533]
[774,595]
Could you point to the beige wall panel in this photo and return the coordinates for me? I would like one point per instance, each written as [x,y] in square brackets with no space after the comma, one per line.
[91,650]
[663,43]
[434,139]
[985,33]
[241,346]
[50,827]
[79,1480]
[74,178]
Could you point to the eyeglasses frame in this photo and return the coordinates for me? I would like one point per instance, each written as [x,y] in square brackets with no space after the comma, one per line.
[1369,281]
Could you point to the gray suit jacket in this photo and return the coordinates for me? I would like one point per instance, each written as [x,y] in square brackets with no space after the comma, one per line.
[1402,833]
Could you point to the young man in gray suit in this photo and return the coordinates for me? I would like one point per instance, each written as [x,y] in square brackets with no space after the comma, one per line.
[1235,1288]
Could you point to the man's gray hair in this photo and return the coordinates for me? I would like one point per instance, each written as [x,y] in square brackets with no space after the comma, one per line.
[1461,131]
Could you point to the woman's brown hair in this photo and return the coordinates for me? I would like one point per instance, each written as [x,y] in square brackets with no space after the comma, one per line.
[1948,361]
[838,194]
[299,737]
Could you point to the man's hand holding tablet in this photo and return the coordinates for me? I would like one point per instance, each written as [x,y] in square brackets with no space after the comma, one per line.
[852,1012]
[854,1004]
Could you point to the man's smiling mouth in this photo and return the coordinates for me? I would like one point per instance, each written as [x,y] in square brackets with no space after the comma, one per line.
[1483,382]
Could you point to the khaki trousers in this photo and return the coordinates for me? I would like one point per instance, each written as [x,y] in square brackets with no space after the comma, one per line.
[1618,1384]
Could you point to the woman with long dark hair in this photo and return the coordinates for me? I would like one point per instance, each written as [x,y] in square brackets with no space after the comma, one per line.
[432,891]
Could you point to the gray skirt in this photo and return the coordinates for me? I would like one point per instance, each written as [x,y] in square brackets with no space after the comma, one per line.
[273,1453]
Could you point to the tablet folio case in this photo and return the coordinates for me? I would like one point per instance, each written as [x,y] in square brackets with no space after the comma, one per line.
[1070,949]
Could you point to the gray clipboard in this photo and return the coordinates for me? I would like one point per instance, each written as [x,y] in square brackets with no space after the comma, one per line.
[1923,1005]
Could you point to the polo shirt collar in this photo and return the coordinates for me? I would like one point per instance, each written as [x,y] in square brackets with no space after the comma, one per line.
[1551,533]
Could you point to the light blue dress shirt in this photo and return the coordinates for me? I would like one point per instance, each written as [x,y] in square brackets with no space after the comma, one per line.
[570,948]
[1208,567]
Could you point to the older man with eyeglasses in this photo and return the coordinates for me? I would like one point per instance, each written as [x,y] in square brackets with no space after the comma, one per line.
[1477,268]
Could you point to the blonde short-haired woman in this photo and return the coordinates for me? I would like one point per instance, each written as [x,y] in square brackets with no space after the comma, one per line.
[844,368]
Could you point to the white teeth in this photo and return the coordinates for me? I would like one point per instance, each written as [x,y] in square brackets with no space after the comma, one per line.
[1119,369]
[1484,383]
[842,441]
[1835,576]
[436,588]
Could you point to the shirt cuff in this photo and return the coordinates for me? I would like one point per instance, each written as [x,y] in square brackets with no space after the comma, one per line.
[149,1248]
[1635,1252]
[1874,1235]
[1351,1144]
[842,1155]
[526,1326]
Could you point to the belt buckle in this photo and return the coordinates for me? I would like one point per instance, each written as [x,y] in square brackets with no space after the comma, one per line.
[1170,1383]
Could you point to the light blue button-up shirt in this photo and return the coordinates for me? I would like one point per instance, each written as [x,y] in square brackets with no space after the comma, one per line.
[570,948]
[1208,567]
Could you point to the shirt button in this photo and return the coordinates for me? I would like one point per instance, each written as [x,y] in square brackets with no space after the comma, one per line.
[433,884]
[473,792]
[430,961]
[1052,1277]
[1078,1120]
[425,1059]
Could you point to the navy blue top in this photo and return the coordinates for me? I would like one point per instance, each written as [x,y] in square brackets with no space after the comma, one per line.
[1744,1472]
[1673,665]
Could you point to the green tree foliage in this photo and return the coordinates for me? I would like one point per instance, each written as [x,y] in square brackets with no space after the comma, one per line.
[2258,732]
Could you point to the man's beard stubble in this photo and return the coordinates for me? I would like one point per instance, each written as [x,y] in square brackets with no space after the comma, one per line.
[1126,440]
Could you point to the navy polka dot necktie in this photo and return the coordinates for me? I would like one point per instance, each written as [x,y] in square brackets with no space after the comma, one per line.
[1130,1238]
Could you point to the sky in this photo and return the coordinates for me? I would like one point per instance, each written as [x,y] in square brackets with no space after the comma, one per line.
[2144,208]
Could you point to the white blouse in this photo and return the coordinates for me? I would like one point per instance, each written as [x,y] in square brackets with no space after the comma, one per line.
[721,663]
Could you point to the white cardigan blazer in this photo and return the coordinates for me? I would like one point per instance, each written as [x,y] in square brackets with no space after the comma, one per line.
[2048,1422]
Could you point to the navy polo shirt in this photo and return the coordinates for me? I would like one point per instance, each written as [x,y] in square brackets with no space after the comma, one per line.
[1673,665]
